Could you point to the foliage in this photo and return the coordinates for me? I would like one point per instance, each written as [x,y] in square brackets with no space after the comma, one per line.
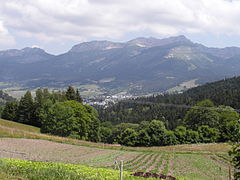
[25,109]
[207,134]
[192,137]
[71,94]
[203,113]
[29,110]
[235,153]
[172,107]
[229,125]
[157,132]
[71,119]
[143,138]
[10,111]
[203,123]
[1,110]
[105,134]
[128,137]
[181,134]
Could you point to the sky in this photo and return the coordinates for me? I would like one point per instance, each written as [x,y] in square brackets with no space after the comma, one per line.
[57,25]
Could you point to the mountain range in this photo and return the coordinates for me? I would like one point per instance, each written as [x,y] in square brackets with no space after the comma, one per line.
[139,66]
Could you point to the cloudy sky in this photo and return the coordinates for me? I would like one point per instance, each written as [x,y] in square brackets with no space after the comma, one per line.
[57,25]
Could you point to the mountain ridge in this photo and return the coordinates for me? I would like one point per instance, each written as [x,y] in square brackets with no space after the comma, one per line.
[139,66]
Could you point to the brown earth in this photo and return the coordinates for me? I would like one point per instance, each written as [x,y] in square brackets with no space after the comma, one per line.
[43,150]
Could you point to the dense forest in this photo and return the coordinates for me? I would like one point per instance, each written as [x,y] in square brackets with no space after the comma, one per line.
[207,113]
[59,113]
[200,115]
[171,108]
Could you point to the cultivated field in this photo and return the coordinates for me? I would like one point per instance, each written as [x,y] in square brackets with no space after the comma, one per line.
[194,162]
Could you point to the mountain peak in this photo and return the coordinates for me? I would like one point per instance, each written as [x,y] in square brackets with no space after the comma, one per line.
[34,50]
[22,52]
[143,42]
[151,42]
[146,42]
[95,45]
[25,55]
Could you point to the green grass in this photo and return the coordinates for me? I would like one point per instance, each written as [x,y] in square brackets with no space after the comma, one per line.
[19,126]
[137,163]
[18,130]
[196,162]
[57,171]
[198,167]
[8,176]
[100,161]
[165,168]
[129,163]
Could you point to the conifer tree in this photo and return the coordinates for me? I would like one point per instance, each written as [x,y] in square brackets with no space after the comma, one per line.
[78,97]
[10,110]
[25,109]
[70,93]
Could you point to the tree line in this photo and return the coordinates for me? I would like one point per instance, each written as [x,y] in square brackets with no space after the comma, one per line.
[171,108]
[59,113]
[203,123]
[135,122]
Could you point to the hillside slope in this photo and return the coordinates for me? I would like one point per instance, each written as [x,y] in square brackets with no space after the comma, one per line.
[173,106]
[9,129]
[139,66]
[194,162]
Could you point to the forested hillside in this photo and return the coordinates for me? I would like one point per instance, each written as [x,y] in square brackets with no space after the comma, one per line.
[201,115]
[171,108]
[60,113]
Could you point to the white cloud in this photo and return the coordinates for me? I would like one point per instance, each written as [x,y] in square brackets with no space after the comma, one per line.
[59,20]
[6,39]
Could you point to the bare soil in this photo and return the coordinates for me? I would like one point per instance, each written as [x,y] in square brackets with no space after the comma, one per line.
[43,150]
[153,166]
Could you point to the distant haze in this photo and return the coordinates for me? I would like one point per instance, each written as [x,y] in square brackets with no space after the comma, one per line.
[56,25]
[139,66]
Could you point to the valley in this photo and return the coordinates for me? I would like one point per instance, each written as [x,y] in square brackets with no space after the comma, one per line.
[137,67]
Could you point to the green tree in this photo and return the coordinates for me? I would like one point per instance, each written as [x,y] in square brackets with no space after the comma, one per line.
[229,125]
[143,138]
[192,137]
[10,111]
[232,131]
[106,135]
[181,133]
[157,132]
[42,96]
[72,119]
[70,93]
[94,132]
[78,97]
[128,137]
[118,129]
[170,138]
[59,120]
[25,109]
[235,154]
[203,113]
[1,110]
[207,134]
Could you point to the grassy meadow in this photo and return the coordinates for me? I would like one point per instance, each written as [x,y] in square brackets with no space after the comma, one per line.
[192,162]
